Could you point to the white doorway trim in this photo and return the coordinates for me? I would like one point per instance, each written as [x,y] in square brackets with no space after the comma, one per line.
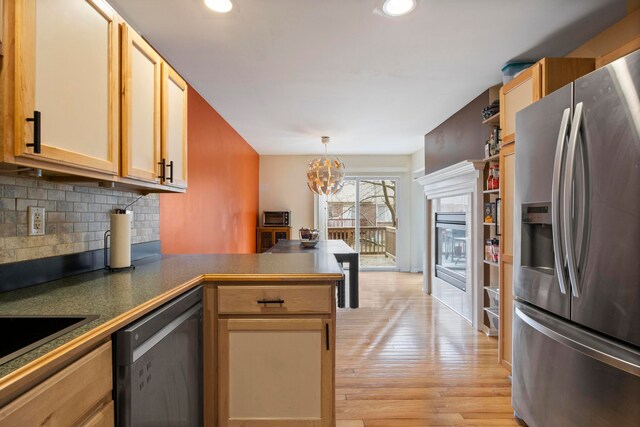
[321,216]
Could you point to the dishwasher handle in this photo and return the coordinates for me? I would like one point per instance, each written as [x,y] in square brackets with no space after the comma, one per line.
[137,333]
[195,311]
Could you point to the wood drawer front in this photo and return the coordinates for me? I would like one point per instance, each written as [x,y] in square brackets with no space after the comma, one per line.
[67,396]
[105,417]
[297,299]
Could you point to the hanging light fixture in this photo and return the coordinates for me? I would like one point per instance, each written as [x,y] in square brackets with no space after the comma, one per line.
[325,175]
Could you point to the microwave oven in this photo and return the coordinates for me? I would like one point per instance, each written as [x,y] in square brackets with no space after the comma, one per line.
[276,218]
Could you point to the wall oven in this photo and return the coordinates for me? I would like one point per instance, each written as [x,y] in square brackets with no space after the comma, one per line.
[451,249]
[276,218]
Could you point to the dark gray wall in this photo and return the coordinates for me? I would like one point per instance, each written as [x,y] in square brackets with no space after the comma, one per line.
[460,137]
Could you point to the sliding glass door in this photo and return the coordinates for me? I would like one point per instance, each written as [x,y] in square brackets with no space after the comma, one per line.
[364,215]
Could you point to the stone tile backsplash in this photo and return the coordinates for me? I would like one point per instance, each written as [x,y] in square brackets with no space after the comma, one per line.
[76,217]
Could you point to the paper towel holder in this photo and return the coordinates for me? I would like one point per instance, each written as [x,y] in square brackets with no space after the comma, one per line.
[107,236]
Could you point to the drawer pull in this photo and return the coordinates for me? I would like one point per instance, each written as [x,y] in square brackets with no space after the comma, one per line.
[271,301]
[326,335]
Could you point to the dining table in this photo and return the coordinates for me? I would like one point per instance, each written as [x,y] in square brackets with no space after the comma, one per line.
[342,252]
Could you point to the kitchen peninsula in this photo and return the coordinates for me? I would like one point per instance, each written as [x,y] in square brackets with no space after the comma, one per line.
[48,382]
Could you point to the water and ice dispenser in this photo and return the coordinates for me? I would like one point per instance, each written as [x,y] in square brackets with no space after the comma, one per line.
[537,237]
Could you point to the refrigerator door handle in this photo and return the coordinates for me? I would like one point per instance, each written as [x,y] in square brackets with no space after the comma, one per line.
[602,355]
[567,226]
[556,224]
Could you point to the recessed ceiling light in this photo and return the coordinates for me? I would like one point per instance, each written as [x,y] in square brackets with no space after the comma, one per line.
[398,7]
[220,6]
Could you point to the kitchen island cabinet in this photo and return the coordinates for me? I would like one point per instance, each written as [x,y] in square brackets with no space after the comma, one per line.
[305,320]
[276,355]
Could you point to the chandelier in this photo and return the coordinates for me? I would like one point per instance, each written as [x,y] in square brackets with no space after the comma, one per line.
[325,175]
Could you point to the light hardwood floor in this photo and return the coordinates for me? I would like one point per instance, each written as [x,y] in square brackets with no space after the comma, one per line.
[404,359]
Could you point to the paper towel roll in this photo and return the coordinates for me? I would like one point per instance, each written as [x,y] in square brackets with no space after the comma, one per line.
[121,239]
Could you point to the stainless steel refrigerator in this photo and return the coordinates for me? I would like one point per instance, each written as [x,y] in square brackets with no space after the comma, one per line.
[576,328]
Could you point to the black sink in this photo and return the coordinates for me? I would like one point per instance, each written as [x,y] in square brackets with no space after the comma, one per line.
[20,334]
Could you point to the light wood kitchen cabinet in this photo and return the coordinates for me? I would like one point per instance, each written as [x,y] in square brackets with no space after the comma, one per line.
[1,25]
[535,82]
[174,128]
[85,100]
[507,165]
[275,359]
[295,299]
[141,90]
[275,371]
[104,417]
[79,394]
[66,84]
[154,115]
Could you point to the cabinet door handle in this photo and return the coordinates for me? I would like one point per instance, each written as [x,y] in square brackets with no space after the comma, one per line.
[326,335]
[271,301]
[37,146]
[163,168]
[170,166]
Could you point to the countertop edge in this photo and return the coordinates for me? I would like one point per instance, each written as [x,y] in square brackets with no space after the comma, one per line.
[36,371]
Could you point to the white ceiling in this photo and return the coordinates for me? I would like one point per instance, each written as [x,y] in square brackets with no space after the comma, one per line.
[285,72]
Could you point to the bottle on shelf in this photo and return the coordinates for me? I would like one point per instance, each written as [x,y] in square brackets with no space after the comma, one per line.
[490,178]
[496,178]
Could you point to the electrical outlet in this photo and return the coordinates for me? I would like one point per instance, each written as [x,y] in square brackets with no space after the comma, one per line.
[36,221]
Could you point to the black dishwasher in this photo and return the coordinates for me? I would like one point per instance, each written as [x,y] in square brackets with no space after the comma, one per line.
[158,366]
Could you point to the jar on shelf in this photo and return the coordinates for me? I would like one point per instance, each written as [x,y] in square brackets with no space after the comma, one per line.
[495,250]
[488,250]
[490,178]
[496,140]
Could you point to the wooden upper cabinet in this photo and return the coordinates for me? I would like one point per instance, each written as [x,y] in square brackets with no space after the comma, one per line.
[174,128]
[535,82]
[523,90]
[141,116]
[67,71]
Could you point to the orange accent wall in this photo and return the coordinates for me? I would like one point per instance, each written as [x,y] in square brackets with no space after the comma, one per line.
[218,213]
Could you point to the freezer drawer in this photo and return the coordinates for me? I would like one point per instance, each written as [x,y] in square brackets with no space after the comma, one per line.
[564,376]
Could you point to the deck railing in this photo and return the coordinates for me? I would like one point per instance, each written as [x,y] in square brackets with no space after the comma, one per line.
[373,240]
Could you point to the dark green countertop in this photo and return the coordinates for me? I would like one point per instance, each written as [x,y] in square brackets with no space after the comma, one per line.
[111,295]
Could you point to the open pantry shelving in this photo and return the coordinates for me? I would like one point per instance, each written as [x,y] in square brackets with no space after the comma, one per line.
[491,226]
